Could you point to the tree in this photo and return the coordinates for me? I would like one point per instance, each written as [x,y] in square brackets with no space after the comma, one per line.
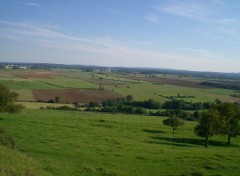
[208,125]
[7,99]
[230,114]
[57,99]
[174,122]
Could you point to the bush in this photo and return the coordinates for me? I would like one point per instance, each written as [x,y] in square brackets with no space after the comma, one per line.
[14,108]
[6,139]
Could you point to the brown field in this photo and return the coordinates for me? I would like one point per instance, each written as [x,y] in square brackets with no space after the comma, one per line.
[75,95]
[172,81]
[38,74]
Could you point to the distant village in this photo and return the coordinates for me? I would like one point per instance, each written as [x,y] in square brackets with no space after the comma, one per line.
[14,66]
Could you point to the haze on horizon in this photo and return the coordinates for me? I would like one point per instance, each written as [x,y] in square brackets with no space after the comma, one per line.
[188,34]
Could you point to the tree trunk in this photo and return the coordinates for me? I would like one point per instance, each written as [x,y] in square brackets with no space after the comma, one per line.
[206,142]
[173,130]
[229,138]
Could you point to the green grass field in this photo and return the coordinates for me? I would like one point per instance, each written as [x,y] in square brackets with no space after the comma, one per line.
[77,143]
[144,91]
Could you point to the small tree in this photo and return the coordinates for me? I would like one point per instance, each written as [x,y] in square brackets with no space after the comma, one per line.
[208,125]
[174,122]
[57,99]
[7,99]
[230,114]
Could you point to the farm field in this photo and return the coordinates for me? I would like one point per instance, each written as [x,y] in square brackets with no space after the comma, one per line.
[143,91]
[76,85]
[79,143]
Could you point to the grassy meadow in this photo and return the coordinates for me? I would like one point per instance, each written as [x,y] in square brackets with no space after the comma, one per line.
[78,143]
[61,143]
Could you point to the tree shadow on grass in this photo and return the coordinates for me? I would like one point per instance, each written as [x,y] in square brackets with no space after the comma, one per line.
[188,141]
[153,131]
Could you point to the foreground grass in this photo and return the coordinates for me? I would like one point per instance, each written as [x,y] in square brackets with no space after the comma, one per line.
[76,143]
[13,163]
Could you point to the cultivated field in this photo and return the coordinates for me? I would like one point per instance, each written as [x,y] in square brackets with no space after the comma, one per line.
[75,85]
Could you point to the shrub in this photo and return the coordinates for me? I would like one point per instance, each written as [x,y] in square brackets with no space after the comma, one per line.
[6,139]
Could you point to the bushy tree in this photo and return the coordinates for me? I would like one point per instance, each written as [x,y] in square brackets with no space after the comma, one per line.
[7,99]
[57,99]
[173,122]
[208,125]
[230,116]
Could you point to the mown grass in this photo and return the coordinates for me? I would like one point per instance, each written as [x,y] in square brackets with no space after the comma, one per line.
[144,91]
[78,143]
[64,82]
[28,84]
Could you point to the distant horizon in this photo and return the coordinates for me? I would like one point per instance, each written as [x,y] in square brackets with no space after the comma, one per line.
[183,35]
[130,67]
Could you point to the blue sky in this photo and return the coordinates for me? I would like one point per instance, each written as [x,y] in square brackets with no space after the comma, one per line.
[202,35]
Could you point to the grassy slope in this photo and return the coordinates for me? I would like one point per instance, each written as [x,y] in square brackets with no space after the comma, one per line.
[13,163]
[75,143]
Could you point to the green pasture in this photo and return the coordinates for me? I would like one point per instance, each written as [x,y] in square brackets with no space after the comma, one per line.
[63,82]
[144,91]
[77,143]
[29,84]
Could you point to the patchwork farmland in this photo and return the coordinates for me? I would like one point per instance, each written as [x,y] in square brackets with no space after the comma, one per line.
[58,138]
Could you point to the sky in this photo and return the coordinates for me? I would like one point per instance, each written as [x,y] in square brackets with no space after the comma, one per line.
[199,35]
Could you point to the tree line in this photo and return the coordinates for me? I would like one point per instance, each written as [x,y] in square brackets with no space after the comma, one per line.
[168,108]
[223,119]
[220,119]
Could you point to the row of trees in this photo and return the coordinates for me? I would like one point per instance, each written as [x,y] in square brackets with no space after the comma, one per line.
[222,119]
[152,104]
[128,105]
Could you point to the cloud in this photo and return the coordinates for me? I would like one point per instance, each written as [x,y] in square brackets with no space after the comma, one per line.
[186,9]
[226,21]
[99,50]
[219,2]
[33,4]
[152,18]
[205,53]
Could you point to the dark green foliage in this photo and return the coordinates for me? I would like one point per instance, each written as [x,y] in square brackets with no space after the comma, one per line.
[230,117]
[57,99]
[51,101]
[66,108]
[7,99]
[173,122]
[6,139]
[179,113]
[208,125]
[14,108]
[184,105]
[93,104]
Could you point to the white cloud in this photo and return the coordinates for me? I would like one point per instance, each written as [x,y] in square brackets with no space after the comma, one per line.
[33,4]
[226,21]
[202,52]
[187,9]
[152,18]
[219,2]
[100,50]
